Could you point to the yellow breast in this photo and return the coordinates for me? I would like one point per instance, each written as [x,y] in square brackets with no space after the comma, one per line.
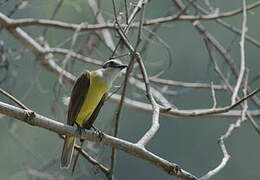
[96,90]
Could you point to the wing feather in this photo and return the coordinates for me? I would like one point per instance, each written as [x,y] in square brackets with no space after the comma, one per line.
[78,94]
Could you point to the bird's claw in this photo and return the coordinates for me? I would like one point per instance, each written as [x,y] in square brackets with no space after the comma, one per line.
[79,128]
[98,133]
[30,115]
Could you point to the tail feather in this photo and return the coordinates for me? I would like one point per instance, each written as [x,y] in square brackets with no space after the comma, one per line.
[67,151]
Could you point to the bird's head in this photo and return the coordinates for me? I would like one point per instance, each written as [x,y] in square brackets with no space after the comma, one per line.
[111,69]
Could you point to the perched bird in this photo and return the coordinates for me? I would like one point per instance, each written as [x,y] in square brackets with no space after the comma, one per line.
[88,95]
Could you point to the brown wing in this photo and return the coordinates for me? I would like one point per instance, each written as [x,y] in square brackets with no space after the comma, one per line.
[78,95]
[88,123]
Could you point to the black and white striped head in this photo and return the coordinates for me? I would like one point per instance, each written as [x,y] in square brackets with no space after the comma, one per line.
[110,70]
[114,64]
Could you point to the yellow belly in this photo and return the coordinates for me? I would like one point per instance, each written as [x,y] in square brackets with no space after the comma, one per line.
[96,90]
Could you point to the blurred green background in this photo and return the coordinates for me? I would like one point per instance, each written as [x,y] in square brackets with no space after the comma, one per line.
[192,143]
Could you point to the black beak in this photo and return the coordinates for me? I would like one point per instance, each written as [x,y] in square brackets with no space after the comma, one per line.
[122,66]
[114,64]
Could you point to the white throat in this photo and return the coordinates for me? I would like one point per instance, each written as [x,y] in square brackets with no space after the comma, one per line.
[108,74]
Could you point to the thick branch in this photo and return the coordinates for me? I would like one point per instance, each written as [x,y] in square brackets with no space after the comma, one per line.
[46,58]
[93,27]
[131,148]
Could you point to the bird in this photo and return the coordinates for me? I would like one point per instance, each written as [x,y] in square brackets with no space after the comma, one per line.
[87,97]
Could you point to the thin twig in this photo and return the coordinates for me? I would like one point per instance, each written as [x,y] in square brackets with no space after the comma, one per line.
[254,79]
[99,63]
[16,7]
[222,51]
[223,163]
[130,21]
[57,8]
[165,45]
[245,108]
[183,10]
[100,19]
[168,82]
[140,29]
[118,112]
[19,103]
[157,95]
[245,105]
[92,160]
[156,109]
[228,134]
[69,54]
[213,96]
[216,67]
[229,27]
[231,128]
[126,12]
[242,54]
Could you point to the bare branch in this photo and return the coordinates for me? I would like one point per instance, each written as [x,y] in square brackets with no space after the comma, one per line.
[128,147]
[222,51]
[226,135]
[169,82]
[50,64]
[13,99]
[93,27]
[92,160]
[229,27]
[68,55]
[242,53]
[155,120]
[153,129]
[175,113]
[221,165]
[213,96]
[233,80]
[106,34]
[157,95]
[57,8]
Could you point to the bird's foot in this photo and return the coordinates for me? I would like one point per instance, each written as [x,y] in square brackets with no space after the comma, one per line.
[30,115]
[98,132]
[80,129]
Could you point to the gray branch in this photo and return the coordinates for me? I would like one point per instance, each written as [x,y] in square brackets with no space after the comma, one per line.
[64,129]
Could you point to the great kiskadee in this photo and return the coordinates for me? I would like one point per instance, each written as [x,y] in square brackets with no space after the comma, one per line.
[88,95]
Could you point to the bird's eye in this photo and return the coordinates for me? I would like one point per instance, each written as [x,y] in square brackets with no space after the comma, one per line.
[110,63]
